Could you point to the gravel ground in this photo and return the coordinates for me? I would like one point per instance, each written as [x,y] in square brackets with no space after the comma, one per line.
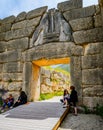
[82,122]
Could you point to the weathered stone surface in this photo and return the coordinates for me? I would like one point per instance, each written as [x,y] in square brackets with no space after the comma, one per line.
[98,10]
[27,76]
[2,36]
[26,23]
[10,56]
[92,101]
[3,57]
[79,13]
[12,76]
[21,44]
[9,19]
[1,68]
[14,34]
[52,50]
[11,67]
[2,46]
[37,12]
[93,48]
[98,21]
[92,61]
[76,50]
[93,91]
[92,76]
[76,74]
[52,30]
[81,24]
[68,5]
[15,86]
[20,17]
[88,36]
[5,27]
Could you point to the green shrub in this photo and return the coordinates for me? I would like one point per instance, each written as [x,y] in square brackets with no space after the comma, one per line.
[46,96]
[99,110]
[86,109]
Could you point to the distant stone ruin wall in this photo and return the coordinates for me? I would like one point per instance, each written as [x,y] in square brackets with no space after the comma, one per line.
[53,81]
[69,31]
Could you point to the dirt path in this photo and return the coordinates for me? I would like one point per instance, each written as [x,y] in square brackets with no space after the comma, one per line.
[82,122]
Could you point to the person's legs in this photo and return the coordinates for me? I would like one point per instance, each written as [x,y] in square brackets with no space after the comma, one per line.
[75,108]
[4,105]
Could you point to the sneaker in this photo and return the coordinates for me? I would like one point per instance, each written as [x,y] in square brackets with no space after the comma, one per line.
[64,106]
[2,110]
[11,107]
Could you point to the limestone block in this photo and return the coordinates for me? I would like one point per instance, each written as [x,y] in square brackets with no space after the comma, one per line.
[20,17]
[79,13]
[1,68]
[2,36]
[81,24]
[37,12]
[88,36]
[2,46]
[5,27]
[7,77]
[98,21]
[33,22]
[27,73]
[92,61]
[21,44]
[98,10]
[76,50]
[68,5]
[76,73]
[19,25]
[14,34]
[50,50]
[15,86]
[3,57]
[93,48]
[26,23]
[10,56]
[92,76]
[11,67]
[93,91]
[0,79]
[92,101]
[9,19]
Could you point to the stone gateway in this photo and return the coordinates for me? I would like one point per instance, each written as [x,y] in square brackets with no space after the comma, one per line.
[69,34]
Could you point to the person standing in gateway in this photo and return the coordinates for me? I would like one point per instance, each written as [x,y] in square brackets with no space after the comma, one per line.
[74,98]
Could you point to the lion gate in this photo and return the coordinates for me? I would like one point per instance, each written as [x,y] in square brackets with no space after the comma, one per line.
[69,34]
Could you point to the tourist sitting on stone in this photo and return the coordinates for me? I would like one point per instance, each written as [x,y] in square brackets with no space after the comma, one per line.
[22,99]
[66,98]
[8,102]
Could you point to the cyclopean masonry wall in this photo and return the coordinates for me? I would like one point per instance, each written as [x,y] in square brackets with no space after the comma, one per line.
[69,31]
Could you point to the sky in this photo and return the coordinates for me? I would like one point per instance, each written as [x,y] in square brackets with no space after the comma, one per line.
[14,7]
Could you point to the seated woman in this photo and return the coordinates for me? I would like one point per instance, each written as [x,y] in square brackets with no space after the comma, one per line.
[22,99]
[66,98]
[8,102]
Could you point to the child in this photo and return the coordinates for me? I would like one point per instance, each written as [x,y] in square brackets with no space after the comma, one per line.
[66,98]
[8,102]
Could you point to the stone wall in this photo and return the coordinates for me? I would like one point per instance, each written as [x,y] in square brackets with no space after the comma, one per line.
[69,31]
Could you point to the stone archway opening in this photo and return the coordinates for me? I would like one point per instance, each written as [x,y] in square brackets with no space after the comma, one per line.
[37,64]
